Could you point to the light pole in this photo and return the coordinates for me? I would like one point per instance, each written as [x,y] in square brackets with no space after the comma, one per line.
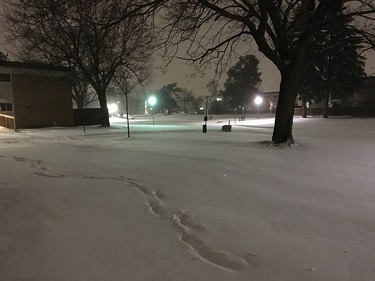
[258,101]
[152,101]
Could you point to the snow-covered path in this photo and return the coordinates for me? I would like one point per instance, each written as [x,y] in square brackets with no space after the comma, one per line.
[171,203]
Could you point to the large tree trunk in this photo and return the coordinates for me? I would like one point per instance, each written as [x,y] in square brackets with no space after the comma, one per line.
[282,131]
[104,109]
[289,86]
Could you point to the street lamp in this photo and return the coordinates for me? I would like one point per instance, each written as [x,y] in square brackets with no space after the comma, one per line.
[258,101]
[152,101]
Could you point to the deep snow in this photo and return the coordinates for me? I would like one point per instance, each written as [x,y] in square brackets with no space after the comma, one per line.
[172,203]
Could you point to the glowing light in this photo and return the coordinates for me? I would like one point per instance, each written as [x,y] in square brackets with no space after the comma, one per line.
[258,100]
[112,108]
[151,100]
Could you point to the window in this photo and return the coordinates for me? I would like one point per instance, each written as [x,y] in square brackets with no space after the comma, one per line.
[6,106]
[4,77]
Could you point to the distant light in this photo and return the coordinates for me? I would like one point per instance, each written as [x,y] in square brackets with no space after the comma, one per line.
[219,99]
[258,100]
[151,100]
[112,108]
[201,108]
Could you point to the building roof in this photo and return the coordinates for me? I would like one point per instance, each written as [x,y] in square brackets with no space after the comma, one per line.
[369,78]
[33,65]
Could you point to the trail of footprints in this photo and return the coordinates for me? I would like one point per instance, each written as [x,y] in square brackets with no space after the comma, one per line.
[37,165]
[181,220]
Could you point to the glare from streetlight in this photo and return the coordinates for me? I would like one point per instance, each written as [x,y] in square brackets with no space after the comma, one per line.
[258,100]
[151,100]
[112,108]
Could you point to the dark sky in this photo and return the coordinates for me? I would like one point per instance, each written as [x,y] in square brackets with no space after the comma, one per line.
[179,72]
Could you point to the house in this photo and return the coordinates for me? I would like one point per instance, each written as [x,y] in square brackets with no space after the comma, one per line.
[209,101]
[184,102]
[360,103]
[270,100]
[34,95]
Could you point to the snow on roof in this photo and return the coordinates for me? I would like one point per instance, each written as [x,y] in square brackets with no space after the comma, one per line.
[15,67]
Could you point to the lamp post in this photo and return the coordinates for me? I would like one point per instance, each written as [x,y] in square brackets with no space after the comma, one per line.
[258,101]
[152,101]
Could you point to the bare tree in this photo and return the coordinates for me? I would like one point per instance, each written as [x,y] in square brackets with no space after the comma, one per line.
[129,79]
[283,31]
[95,37]
[213,87]
[82,95]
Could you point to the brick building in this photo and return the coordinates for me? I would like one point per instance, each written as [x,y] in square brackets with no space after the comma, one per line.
[34,95]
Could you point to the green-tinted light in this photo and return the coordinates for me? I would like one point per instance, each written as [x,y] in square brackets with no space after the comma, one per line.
[151,100]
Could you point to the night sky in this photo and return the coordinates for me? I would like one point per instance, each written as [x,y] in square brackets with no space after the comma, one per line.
[179,72]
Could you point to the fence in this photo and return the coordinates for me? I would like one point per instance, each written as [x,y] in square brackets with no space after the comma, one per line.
[7,121]
[338,111]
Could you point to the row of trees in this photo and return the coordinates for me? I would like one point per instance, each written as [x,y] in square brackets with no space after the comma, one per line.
[99,39]
[284,31]
[334,73]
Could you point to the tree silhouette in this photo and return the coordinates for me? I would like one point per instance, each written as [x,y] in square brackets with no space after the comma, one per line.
[283,31]
[242,81]
[165,99]
[335,67]
[95,37]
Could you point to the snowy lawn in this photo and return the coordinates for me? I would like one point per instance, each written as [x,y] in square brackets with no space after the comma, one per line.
[172,203]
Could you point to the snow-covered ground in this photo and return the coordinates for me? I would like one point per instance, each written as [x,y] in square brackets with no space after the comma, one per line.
[172,203]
